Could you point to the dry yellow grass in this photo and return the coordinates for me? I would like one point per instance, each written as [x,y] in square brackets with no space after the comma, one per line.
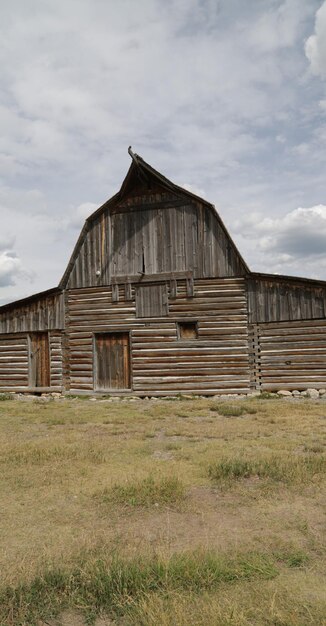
[57,457]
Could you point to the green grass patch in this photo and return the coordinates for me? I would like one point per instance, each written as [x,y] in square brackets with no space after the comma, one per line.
[233,410]
[279,469]
[115,585]
[144,493]
[292,558]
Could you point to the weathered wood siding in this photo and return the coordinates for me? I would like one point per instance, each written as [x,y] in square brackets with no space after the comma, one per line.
[154,233]
[162,364]
[112,361]
[44,313]
[152,300]
[56,359]
[15,374]
[278,299]
[39,359]
[289,355]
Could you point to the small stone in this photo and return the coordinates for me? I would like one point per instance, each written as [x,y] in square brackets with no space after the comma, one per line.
[253,394]
[304,394]
[296,393]
[322,392]
[284,393]
[92,399]
[313,393]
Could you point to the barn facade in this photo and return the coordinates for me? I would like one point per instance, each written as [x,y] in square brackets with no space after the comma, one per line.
[157,300]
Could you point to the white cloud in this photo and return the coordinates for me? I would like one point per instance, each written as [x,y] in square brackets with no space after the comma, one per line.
[91,76]
[315,47]
[6,242]
[79,215]
[30,201]
[278,26]
[298,239]
[197,191]
[10,268]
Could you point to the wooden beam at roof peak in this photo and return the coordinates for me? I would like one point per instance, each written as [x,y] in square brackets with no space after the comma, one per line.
[142,174]
[133,155]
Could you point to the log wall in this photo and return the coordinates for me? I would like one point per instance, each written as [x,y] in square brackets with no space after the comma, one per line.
[14,362]
[56,359]
[162,364]
[289,355]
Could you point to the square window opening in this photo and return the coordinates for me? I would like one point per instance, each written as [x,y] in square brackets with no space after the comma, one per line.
[187,330]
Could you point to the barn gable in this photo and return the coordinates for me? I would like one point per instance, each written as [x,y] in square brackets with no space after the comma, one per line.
[150,228]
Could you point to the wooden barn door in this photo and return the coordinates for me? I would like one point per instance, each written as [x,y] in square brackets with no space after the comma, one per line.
[112,361]
[39,360]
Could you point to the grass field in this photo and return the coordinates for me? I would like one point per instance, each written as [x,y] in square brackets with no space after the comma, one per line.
[176,513]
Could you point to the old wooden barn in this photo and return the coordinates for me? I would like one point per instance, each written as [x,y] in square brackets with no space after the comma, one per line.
[157,300]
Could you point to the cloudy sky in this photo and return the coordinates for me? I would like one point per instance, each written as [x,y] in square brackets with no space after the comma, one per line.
[225,97]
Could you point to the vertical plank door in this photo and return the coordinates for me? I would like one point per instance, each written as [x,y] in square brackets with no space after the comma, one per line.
[112,361]
[39,360]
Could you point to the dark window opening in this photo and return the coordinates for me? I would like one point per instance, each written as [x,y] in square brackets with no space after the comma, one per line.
[143,263]
[187,330]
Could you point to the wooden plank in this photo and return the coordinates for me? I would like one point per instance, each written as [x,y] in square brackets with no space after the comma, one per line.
[293,355]
[112,361]
[152,300]
[39,360]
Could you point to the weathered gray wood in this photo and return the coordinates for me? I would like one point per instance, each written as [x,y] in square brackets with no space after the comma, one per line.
[20,371]
[281,299]
[292,355]
[153,238]
[152,300]
[220,353]
[45,313]
[39,360]
[112,353]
